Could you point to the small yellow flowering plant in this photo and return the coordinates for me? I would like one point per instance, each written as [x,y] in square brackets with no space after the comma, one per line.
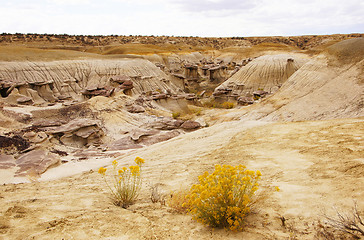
[223,199]
[126,182]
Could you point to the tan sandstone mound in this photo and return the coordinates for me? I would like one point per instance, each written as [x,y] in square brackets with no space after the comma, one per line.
[329,86]
[266,73]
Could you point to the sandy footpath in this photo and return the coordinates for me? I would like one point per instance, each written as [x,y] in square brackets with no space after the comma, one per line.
[316,165]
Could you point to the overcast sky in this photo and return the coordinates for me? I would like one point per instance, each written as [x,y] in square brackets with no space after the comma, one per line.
[205,18]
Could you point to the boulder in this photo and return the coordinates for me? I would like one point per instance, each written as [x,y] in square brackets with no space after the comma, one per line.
[161,137]
[166,124]
[191,66]
[136,134]
[74,125]
[220,91]
[105,92]
[135,109]
[159,96]
[47,123]
[128,84]
[86,132]
[123,144]
[25,100]
[245,100]
[191,96]
[120,79]
[34,137]
[260,93]
[78,133]
[36,161]
[190,125]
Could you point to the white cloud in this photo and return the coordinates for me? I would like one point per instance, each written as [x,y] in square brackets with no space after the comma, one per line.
[183,17]
[214,5]
[69,2]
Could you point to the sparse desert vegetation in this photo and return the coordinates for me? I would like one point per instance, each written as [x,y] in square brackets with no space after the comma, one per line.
[200,111]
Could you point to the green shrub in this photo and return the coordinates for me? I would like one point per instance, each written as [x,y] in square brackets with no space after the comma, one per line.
[227,105]
[223,199]
[176,115]
[211,103]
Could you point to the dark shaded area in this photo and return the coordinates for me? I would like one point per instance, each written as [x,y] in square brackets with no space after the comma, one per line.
[16,141]
[59,152]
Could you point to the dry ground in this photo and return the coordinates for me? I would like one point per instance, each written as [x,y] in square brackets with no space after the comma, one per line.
[316,165]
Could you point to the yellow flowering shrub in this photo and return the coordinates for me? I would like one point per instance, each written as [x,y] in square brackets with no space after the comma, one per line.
[126,182]
[178,201]
[223,199]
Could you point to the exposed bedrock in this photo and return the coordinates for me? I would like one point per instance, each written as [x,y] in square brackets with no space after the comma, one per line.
[39,82]
[262,76]
[327,87]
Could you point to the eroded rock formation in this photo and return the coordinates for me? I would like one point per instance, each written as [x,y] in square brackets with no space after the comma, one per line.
[72,110]
[259,77]
[40,82]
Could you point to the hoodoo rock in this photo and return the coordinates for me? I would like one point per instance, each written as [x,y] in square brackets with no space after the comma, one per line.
[245,100]
[60,80]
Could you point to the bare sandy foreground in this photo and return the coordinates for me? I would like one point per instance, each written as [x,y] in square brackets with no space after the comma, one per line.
[316,164]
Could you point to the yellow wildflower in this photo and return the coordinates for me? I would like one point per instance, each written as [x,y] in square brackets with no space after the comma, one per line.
[102,170]
[139,160]
[135,170]
[126,183]
[277,189]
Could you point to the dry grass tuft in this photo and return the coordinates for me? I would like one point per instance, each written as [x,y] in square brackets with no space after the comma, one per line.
[177,201]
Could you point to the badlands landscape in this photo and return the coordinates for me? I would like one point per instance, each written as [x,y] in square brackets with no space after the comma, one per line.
[290,107]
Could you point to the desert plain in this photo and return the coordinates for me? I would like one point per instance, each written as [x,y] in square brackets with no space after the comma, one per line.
[290,107]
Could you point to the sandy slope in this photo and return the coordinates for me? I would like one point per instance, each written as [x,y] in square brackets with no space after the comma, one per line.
[316,164]
[318,90]
[266,72]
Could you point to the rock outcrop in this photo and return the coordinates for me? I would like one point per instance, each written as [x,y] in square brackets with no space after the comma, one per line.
[36,162]
[78,132]
[259,77]
[40,82]
[329,86]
